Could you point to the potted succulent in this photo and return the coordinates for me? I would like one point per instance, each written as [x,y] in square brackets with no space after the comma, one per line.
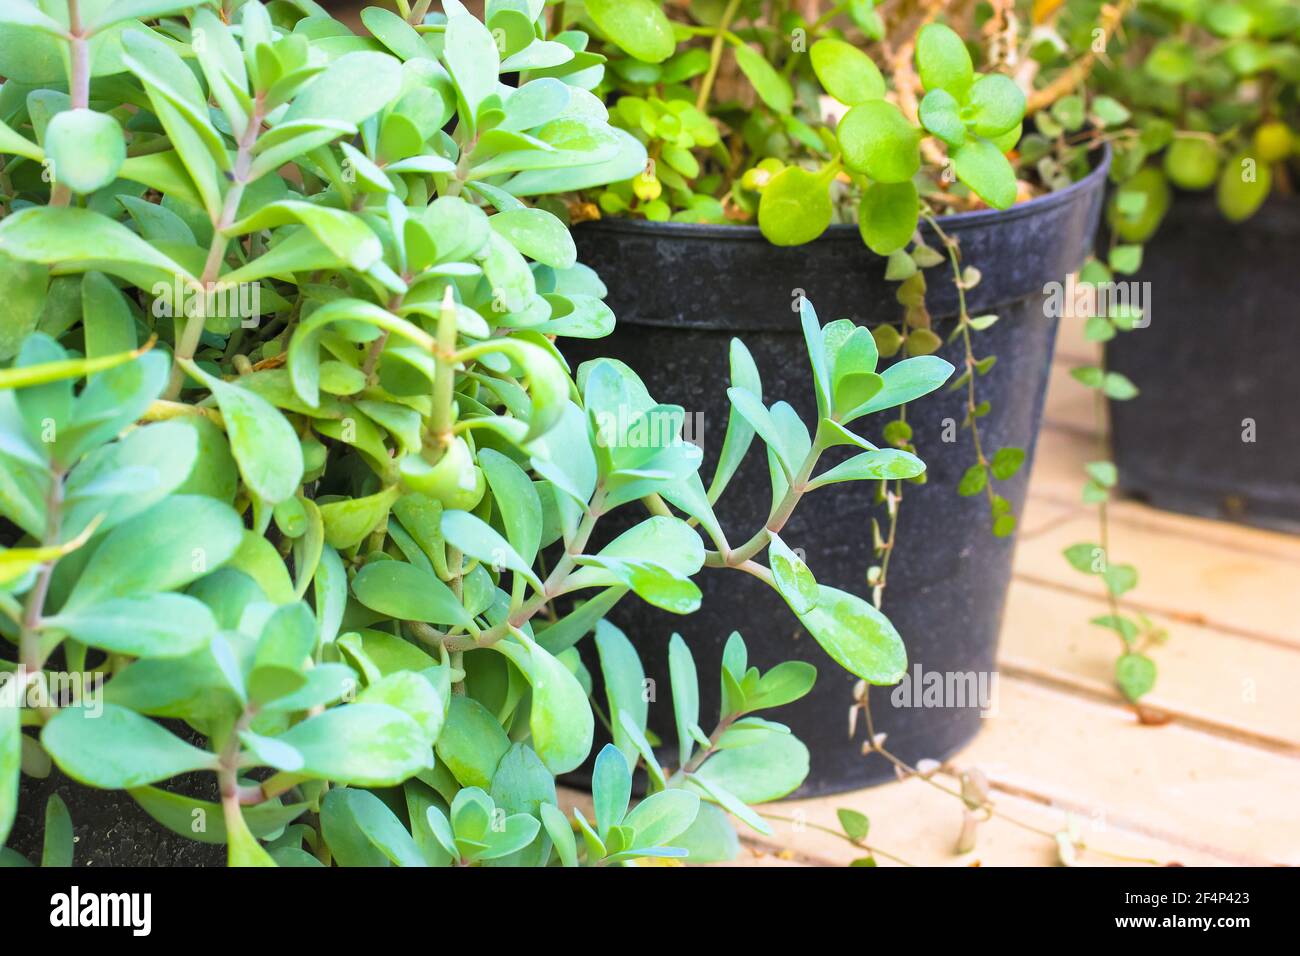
[783,162]
[304,514]
[1214,90]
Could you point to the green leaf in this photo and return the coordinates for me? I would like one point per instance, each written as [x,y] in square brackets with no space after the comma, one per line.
[879,141]
[887,216]
[86,148]
[77,240]
[25,285]
[1102,472]
[118,748]
[476,538]
[759,772]
[361,830]
[1118,387]
[625,688]
[560,718]
[58,844]
[516,499]
[795,207]
[242,848]
[537,234]
[106,318]
[263,442]
[771,87]
[855,824]
[905,381]
[857,636]
[364,745]
[982,167]
[1120,578]
[1135,674]
[793,580]
[472,742]
[711,838]
[846,72]
[661,816]
[173,543]
[996,105]
[352,88]
[11,758]
[943,61]
[1087,558]
[345,235]
[638,27]
[202,821]
[1243,186]
[561,834]
[407,593]
[1006,462]
[883,464]
[940,113]
[155,625]
[739,436]
[686,696]
[611,789]
[473,59]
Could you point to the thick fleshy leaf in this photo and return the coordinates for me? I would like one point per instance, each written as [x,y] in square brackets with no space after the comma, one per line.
[178,540]
[795,207]
[661,816]
[772,88]
[407,593]
[11,756]
[362,831]
[943,61]
[263,442]
[793,579]
[879,141]
[364,745]
[155,625]
[476,538]
[885,464]
[982,167]
[846,72]
[638,27]
[86,148]
[118,748]
[611,788]
[472,742]
[759,772]
[78,240]
[560,719]
[887,216]
[857,636]
[997,105]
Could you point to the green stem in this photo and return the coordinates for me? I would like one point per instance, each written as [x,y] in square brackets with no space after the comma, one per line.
[715,56]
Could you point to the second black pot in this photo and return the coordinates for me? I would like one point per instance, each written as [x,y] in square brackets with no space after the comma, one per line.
[681,292]
[1215,430]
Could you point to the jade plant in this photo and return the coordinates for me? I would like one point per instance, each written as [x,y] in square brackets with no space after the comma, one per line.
[298,493]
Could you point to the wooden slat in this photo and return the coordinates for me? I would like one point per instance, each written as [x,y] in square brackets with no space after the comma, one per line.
[1176,784]
[1181,575]
[1234,687]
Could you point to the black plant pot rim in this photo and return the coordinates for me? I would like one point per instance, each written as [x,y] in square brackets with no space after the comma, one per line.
[840,231]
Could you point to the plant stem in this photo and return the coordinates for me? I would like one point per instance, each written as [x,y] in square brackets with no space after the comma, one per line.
[715,56]
[188,342]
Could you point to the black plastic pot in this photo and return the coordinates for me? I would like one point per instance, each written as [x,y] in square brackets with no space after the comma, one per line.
[1216,367]
[681,292]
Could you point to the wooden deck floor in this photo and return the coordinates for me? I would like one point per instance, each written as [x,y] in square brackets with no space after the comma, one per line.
[1219,784]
